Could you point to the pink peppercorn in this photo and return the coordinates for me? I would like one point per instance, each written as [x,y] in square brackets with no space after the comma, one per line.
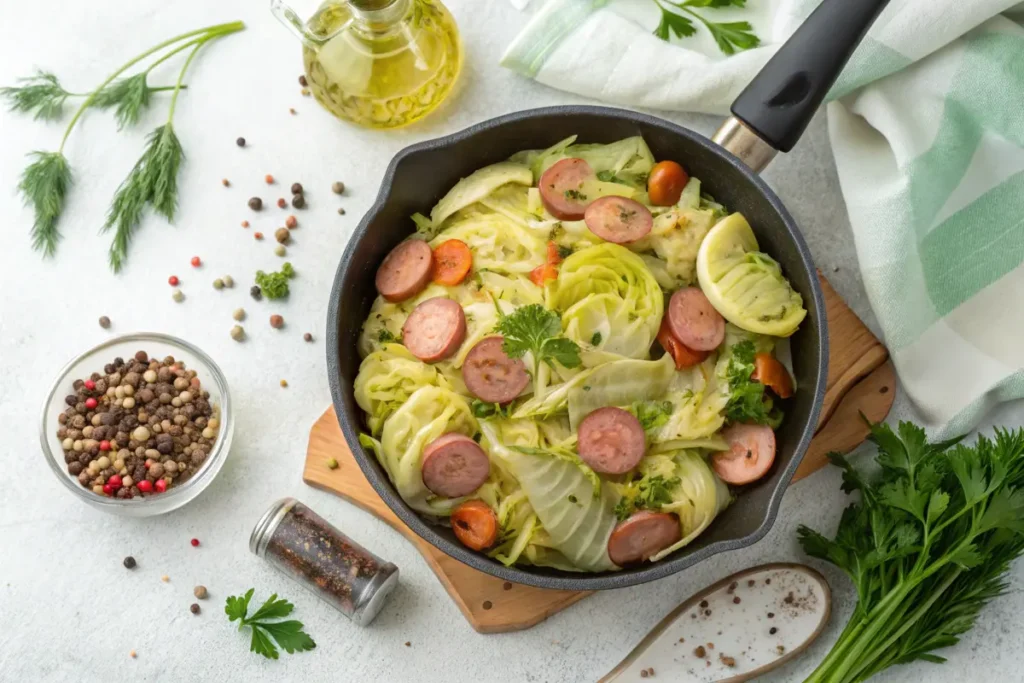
[146,485]
[115,481]
[104,445]
[173,281]
[160,485]
[194,542]
[89,384]
[90,403]
[196,262]
[108,489]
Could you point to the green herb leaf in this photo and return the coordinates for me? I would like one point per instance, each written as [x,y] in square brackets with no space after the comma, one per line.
[482,410]
[41,95]
[385,336]
[275,285]
[733,36]
[44,186]
[648,493]
[595,339]
[153,181]
[237,606]
[273,609]
[288,634]
[673,23]
[129,97]
[535,329]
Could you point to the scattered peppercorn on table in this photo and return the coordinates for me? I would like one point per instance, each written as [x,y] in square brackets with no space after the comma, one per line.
[147,595]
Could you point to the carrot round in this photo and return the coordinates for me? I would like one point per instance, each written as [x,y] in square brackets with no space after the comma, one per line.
[683,355]
[475,525]
[452,262]
[553,258]
[773,374]
[543,273]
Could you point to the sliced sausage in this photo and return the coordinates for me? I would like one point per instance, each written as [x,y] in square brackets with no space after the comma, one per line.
[683,355]
[644,534]
[454,465]
[491,375]
[694,321]
[618,219]
[750,455]
[611,441]
[435,329]
[405,272]
[561,188]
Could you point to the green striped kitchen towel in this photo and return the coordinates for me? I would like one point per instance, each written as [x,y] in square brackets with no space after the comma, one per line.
[927,127]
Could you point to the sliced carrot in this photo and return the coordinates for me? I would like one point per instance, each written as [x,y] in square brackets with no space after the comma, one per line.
[542,273]
[475,524]
[553,258]
[773,374]
[683,355]
[452,262]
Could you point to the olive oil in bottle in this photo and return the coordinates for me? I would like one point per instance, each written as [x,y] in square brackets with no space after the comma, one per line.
[379,63]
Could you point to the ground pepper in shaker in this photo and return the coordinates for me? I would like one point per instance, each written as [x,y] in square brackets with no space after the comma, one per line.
[305,547]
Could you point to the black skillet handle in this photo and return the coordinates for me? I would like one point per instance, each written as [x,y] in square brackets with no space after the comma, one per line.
[781,100]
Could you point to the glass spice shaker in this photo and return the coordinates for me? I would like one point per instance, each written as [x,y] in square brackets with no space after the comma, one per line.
[305,547]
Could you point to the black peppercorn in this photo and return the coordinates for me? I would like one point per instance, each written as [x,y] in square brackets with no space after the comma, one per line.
[338,187]
[104,322]
[255,292]
[299,201]
[129,562]
[296,188]
[307,337]
[240,142]
[194,608]
[303,82]
[255,203]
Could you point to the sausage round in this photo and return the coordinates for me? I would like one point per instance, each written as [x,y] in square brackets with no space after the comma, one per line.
[618,219]
[694,321]
[611,441]
[454,465]
[435,329]
[642,535]
[561,188]
[405,272]
[750,455]
[491,375]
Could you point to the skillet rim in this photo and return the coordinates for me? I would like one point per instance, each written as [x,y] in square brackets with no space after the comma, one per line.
[345,408]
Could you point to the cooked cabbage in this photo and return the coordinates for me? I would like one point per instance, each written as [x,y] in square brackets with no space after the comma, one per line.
[427,414]
[478,185]
[607,290]
[386,380]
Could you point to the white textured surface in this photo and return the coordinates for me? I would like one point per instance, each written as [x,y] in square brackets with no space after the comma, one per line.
[70,611]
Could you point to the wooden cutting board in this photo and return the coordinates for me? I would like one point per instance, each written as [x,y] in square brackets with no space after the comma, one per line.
[860,380]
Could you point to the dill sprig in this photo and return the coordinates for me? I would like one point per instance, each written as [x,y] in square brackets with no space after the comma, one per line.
[46,181]
[44,185]
[43,96]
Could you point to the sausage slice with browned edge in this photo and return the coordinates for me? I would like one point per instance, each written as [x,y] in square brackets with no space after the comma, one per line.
[405,272]
[618,219]
[454,465]
[642,535]
[750,455]
[435,329]
[694,321]
[611,441]
[491,375]
[561,188]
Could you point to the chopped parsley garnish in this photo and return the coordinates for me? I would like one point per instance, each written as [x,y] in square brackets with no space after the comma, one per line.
[747,400]
[575,195]
[386,337]
[482,410]
[652,414]
[650,493]
[596,339]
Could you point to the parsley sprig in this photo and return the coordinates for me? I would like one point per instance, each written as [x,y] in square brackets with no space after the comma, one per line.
[648,493]
[731,36]
[288,634]
[537,330]
[927,545]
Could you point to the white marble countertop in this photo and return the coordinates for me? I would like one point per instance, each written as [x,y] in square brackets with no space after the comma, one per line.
[70,611]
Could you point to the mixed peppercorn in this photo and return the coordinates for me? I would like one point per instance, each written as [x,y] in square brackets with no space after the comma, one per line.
[139,428]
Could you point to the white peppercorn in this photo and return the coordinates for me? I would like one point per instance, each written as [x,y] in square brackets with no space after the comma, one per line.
[103,462]
[239,314]
[129,403]
[218,284]
[178,296]
[68,444]
[228,281]
[149,376]
[141,434]
[209,433]
[185,396]
[237,332]
[280,250]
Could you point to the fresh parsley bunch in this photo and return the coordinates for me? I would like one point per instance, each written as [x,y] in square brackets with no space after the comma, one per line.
[731,36]
[536,329]
[927,545]
[288,634]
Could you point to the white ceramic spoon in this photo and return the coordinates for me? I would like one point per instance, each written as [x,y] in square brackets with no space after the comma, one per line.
[734,630]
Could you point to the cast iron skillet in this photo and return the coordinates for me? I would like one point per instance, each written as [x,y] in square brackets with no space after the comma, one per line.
[769,116]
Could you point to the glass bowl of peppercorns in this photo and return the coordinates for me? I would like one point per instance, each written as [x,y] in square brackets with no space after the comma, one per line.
[139,425]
